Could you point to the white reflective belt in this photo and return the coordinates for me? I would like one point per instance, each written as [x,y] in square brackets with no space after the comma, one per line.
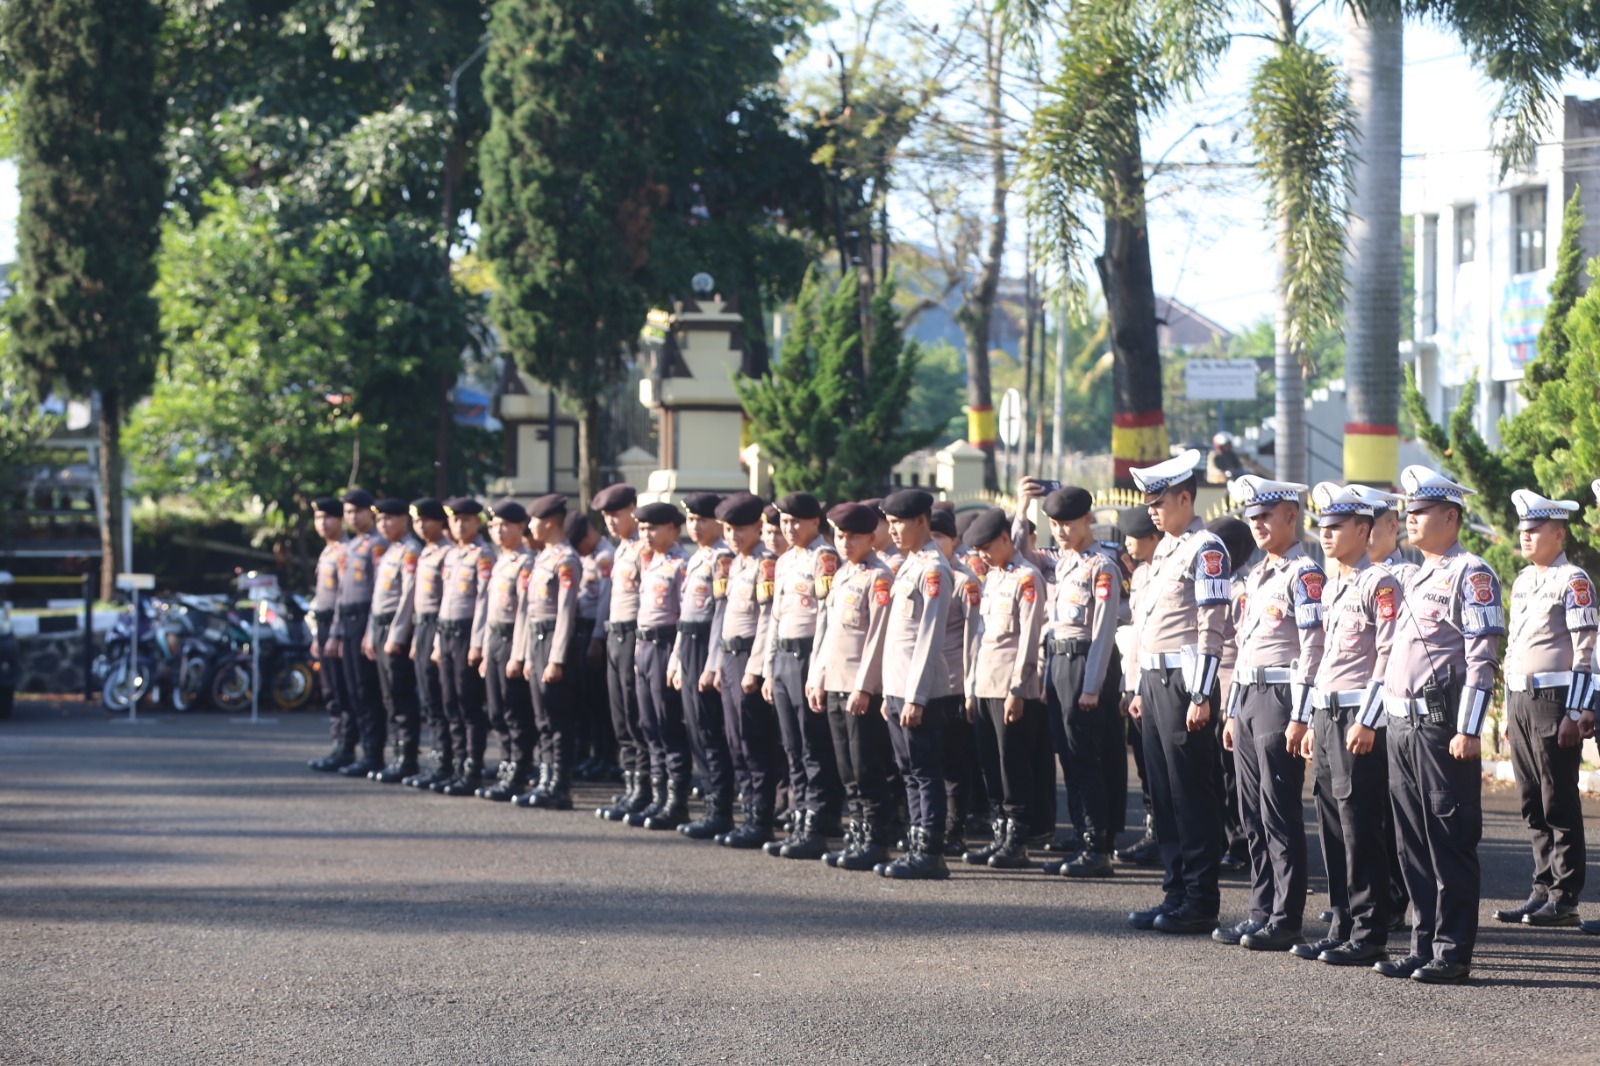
[1169,660]
[1265,675]
[1323,700]
[1400,707]
[1529,682]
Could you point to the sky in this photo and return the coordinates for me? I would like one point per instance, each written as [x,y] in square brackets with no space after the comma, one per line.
[1210,247]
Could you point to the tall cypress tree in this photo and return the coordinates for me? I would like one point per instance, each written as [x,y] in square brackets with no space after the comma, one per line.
[92,182]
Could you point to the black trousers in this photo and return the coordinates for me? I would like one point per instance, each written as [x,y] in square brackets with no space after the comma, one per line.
[361,683]
[807,741]
[1547,784]
[463,692]
[1041,817]
[430,696]
[1135,742]
[661,713]
[633,753]
[1095,741]
[592,700]
[1182,772]
[752,728]
[702,713]
[554,716]
[963,783]
[1270,783]
[1438,821]
[1019,744]
[342,728]
[863,752]
[508,701]
[1351,793]
[397,680]
[919,752]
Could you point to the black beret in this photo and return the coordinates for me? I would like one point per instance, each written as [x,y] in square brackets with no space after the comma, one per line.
[462,505]
[328,505]
[509,511]
[964,522]
[876,503]
[942,521]
[357,498]
[659,514]
[740,509]
[907,503]
[854,518]
[1135,522]
[616,497]
[703,504]
[427,507]
[576,527]
[989,526]
[800,505]
[1236,537]
[548,506]
[770,514]
[391,506]
[1067,503]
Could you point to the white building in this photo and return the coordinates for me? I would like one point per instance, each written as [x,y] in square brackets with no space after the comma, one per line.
[1485,256]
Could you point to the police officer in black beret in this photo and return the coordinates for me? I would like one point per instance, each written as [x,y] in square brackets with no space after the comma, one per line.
[357,580]
[705,591]
[329,518]
[430,522]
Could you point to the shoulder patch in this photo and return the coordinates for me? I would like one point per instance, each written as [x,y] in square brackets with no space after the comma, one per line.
[1029,591]
[1480,587]
[564,572]
[485,564]
[604,563]
[379,548]
[1211,562]
[1312,580]
[1582,591]
[931,584]
[974,593]
[523,577]
[1385,600]
[410,562]
[880,590]
[1102,585]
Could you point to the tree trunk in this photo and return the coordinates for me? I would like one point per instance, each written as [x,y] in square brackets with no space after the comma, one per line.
[111,502]
[977,315]
[454,160]
[1138,425]
[588,451]
[1289,450]
[1373,59]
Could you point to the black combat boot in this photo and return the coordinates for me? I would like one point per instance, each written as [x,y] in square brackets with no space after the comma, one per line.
[658,792]
[1094,860]
[675,811]
[404,766]
[713,823]
[925,860]
[513,780]
[467,781]
[371,761]
[979,856]
[432,765]
[811,842]
[1012,854]
[794,821]
[1146,851]
[341,756]
[955,836]
[558,796]
[854,833]
[872,848]
[744,813]
[621,803]
[756,830]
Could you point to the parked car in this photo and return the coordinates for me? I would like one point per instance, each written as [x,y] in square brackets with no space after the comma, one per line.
[10,665]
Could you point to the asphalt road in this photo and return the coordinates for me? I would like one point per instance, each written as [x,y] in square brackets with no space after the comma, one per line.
[187,892]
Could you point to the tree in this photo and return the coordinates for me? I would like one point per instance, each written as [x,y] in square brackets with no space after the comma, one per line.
[92,183]
[24,425]
[822,433]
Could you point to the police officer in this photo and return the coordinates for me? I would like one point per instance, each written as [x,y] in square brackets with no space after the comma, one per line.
[705,592]
[1179,626]
[616,626]
[388,639]
[738,639]
[1436,690]
[804,574]
[1347,741]
[1269,711]
[357,578]
[905,655]
[458,645]
[1004,683]
[546,649]
[857,596]
[960,740]
[597,742]
[772,531]
[1140,538]
[660,705]
[506,695]
[342,724]
[1241,544]
[882,542]
[429,521]
[1548,654]
[1383,547]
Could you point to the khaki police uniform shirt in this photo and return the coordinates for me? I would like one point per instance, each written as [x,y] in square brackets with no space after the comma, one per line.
[1553,618]
[1401,567]
[1128,633]
[325,599]
[1085,606]
[1450,624]
[397,573]
[594,587]
[550,598]
[358,568]
[1010,626]
[662,588]
[466,575]
[429,588]
[746,613]
[858,595]
[1280,621]
[1230,634]
[1359,612]
[701,600]
[802,580]
[1186,602]
[905,651]
[508,580]
[627,568]
[892,559]
[961,629]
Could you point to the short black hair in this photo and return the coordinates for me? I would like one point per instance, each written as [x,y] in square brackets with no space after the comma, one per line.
[1190,484]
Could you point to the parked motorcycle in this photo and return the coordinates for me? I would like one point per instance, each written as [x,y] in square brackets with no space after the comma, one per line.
[285,660]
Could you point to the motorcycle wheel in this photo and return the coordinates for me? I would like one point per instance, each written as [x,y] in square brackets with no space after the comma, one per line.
[121,691]
[230,689]
[190,687]
[293,685]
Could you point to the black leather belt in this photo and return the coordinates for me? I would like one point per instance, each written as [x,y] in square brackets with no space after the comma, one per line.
[1070,647]
[427,619]
[795,645]
[621,627]
[695,629]
[502,629]
[383,619]
[354,610]
[659,634]
[450,627]
[737,645]
[541,630]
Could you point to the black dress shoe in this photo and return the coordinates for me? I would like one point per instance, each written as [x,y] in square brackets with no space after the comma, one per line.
[1326,916]
[1400,967]
[1233,864]
[1232,934]
[1275,937]
[363,768]
[1353,954]
[1187,919]
[1513,915]
[1439,972]
[334,761]
[1146,919]
[1590,928]
[1552,914]
[1312,950]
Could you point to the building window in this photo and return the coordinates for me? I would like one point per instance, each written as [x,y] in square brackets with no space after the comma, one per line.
[1527,216]
[1466,234]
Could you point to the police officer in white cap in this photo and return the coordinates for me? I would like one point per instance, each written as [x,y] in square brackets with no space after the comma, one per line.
[1180,622]
[1552,639]
[1383,543]
[1436,690]
[1269,710]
